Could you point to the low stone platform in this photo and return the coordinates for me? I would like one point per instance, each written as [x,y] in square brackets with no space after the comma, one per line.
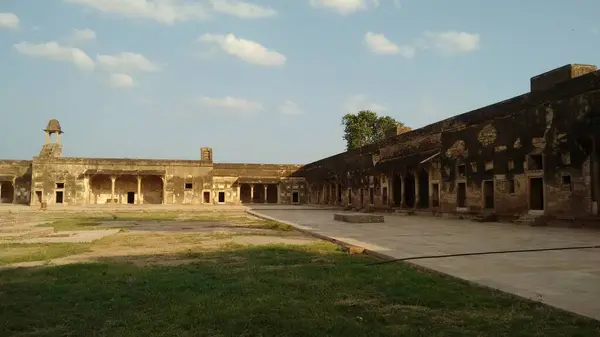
[358,218]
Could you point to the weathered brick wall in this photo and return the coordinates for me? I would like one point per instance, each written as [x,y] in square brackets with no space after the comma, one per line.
[20,171]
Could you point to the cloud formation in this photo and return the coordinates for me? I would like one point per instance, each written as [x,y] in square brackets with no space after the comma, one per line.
[53,51]
[290,108]
[82,35]
[345,7]
[9,20]
[379,44]
[117,80]
[231,104]
[242,9]
[246,50]
[127,62]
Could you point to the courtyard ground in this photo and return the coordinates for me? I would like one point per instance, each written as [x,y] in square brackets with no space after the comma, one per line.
[208,272]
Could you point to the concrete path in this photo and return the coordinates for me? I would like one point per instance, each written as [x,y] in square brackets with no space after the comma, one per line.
[567,279]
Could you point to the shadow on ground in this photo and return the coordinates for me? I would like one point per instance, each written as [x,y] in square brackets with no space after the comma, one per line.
[314,290]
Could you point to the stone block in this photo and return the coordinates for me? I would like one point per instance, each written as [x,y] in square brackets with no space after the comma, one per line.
[358,218]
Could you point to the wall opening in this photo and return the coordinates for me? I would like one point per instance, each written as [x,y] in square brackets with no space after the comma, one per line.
[245,193]
[511,186]
[295,197]
[221,196]
[350,196]
[536,162]
[272,194]
[536,194]
[371,196]
[60,185]
[206,197]
[423,189]
[362,197]
[488,194]
[435,194]
[397,191]
[384,196]
[38,196]
[131,198]
[339,193]
[59,197]
[259,193]
[7,192]
[566,182]
[188,186]
[461,171]
[461,195]
[409,190]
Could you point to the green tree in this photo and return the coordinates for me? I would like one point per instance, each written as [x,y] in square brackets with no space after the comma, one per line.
[366,127]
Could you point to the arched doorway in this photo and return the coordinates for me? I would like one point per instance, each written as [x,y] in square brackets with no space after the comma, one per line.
[245,193]
[7,192]
[126,189]
[272,194]
[259,193]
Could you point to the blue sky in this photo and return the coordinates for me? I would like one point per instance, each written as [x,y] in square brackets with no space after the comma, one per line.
[265,80]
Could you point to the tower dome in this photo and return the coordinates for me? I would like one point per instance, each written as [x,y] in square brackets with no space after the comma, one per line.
[53,127]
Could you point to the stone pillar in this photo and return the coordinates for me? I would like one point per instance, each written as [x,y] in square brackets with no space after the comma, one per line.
[278,194]
[403,193]
[86,189]
[58,138]
[252,193]
[47,137]
[164,188]
[14,184]
[112,189]
[417,194]
[139,190]
[265,201]
[239,195]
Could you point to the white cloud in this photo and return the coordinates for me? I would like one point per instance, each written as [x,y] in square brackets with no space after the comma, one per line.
[83,35]
[242,9]
[229,103]
[121,80]
[127,62]
[361,102]
[290,108]
[379,44]
[163,11]
[249,51]
[9,20]
[451,42]
[345,6]
[54,51]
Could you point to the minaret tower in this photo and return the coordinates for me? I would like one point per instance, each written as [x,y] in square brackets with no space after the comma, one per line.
[52,148]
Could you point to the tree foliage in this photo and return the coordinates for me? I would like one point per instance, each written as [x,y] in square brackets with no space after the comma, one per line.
[366,127]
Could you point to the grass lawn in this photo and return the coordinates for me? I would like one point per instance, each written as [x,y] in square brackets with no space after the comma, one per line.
[314,290]
[23,252]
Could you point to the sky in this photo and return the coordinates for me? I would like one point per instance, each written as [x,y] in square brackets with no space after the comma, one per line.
[265,81]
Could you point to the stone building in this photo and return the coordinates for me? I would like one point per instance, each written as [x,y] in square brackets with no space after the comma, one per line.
[55,179]
[534,154]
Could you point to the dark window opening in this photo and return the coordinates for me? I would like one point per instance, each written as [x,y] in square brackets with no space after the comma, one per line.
[60,185]
[59,197]
[371,196]
[131,197]
[189,186]
[339,193]
[488,194]
[462,170]
[511,186]
[206,196]
[566,182]
[536,162]
[362,197]
[461,195]
[221,196]
[38,195]
[350,196]
[511,164]
[295,197]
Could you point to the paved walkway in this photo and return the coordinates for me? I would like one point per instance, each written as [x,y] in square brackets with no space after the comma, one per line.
[568,279]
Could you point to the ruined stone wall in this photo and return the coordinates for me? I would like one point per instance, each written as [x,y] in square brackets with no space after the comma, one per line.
[17,172]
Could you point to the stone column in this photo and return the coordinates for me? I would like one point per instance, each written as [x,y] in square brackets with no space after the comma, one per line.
[47,137]
[403,193]
[238,193]
[86,189]
[417,194]
[58,138]
[278,194]
[14,184]
[164,188]
[251,193]
[139,190]
[265,201]
[112,189]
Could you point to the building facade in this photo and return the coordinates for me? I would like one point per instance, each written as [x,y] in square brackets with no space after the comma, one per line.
[534,154]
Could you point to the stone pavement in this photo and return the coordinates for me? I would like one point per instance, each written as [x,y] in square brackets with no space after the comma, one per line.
[567,279]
